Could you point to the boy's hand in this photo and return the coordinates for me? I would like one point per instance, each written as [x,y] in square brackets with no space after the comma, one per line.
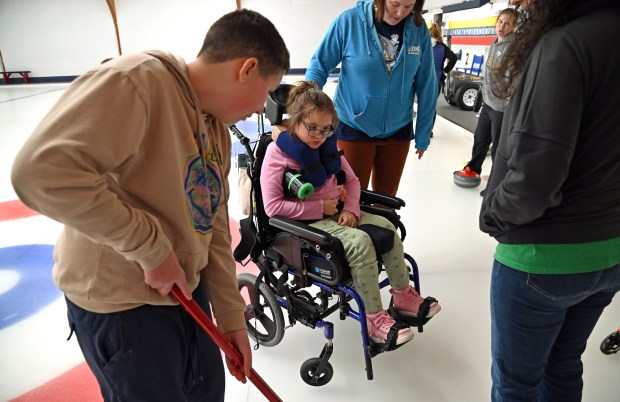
[167,274]
[239,339]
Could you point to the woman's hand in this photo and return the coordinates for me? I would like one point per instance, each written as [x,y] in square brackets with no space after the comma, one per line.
[420,153]
[347,218]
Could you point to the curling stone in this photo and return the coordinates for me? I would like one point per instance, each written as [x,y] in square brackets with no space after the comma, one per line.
[466,178]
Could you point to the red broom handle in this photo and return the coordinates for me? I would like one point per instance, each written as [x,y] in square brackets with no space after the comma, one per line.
[222,342]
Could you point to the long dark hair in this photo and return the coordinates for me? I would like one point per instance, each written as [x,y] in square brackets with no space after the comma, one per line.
[541,16]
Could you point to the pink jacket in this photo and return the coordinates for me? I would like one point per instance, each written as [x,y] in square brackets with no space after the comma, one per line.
[272,172]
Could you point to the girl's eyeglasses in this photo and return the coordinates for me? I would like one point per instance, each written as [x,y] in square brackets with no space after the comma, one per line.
[316,133]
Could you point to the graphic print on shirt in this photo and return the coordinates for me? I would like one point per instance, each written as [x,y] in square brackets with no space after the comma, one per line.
[203,190]
[390,49]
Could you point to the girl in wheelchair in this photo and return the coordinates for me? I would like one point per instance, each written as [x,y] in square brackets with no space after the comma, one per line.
[308,146]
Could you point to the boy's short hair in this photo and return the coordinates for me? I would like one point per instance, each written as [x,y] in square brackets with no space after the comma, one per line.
[246,33]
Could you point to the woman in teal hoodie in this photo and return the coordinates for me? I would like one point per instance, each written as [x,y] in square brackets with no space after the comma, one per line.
[387,61]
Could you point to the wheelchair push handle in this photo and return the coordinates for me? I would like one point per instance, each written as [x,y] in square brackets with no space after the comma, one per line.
[222,342]
[245,141]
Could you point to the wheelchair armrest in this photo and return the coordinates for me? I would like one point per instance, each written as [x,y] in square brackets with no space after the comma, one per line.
[370,197]
[301,229]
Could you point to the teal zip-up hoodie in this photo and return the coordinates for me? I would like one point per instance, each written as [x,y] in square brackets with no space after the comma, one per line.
[367,97]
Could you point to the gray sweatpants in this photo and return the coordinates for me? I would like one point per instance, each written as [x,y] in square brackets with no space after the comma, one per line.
[362,257]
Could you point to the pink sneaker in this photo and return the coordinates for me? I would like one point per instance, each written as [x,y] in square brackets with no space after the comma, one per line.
[407,302]
[379,325]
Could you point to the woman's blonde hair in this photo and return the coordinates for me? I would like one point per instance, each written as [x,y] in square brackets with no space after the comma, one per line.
[435,31]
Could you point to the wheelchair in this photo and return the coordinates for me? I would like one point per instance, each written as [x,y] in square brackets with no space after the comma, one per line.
[302,270]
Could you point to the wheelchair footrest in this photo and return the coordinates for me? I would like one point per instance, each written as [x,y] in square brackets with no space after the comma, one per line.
[418,321]
[377,348]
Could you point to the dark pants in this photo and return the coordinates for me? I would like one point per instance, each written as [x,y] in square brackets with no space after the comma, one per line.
[540,325]
[439,88]
[487,132]
[150,353]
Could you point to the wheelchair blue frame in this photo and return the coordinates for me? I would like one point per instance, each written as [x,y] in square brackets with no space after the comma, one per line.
[293,297]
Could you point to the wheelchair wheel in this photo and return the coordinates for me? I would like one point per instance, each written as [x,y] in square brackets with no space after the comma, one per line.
[266,327]
[308,369]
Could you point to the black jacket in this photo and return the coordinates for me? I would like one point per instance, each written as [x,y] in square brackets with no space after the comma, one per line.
[556,175]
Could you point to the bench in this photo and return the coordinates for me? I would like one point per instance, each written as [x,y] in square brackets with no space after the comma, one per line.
[7,74]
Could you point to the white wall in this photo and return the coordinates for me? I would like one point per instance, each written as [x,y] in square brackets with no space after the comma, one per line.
[55,38]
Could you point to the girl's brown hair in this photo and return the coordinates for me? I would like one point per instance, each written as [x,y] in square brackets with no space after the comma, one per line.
[305,98]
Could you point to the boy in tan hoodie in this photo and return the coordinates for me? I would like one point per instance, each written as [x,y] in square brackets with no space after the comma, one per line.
[133,160]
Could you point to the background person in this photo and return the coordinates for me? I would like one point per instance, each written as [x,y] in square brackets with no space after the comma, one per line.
[387,60]
[441,54]
[307,140]
[492,112]
[553,199]
[133,159]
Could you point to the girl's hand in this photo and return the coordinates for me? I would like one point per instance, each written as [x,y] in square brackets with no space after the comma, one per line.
[347,218]
[420,153]
[343,193]
[330,207]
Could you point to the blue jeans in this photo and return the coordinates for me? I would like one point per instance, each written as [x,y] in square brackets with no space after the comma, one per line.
[539,328]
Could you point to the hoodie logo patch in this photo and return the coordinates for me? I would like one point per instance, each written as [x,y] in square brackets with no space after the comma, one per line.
[415,50]
[203,191]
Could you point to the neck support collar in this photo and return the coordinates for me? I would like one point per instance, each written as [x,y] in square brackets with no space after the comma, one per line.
[316,164]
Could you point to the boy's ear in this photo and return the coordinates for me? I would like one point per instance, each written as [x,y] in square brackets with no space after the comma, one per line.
[248,68]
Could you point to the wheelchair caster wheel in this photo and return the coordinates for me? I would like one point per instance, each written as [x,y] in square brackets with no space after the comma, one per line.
[611,344]
[308,371]
[263,317]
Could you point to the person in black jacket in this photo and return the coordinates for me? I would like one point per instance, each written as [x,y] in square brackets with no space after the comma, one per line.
[553,199]
[441,54]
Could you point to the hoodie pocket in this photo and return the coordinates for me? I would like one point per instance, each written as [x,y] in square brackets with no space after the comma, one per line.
[371,119]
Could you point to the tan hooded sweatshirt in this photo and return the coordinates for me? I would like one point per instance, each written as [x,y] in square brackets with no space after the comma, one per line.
[119,161]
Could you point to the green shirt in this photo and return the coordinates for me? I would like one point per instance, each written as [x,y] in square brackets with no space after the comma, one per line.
[560,258]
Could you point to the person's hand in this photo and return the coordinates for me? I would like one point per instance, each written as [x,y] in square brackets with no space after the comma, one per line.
[347,218]
[275,132]
[420,153]
[167,274]
[330,207]
[239,339]
[343,193]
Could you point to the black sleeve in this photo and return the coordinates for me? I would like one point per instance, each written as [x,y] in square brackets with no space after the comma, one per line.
[535,150]
[451,57]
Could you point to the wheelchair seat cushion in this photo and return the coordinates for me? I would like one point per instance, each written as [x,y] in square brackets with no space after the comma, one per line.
[382,238]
